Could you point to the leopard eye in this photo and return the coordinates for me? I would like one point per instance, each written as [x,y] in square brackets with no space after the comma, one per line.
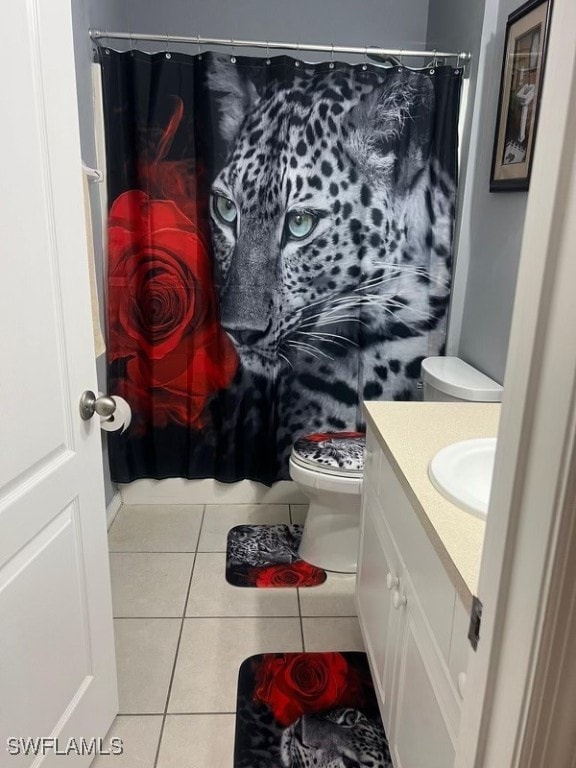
[224,209]
[299,224]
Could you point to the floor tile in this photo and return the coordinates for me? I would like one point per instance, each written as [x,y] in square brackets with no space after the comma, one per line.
[219,518]
[197,741]
[145,651]
[211,595]
[332,634]
[333,598]
[139,735]
[210,655]
[145,584]
[156,528]
[298,513]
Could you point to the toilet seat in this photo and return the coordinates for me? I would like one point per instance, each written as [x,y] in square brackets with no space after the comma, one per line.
[338,454]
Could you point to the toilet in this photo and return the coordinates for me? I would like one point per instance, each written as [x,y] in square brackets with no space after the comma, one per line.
[329,466]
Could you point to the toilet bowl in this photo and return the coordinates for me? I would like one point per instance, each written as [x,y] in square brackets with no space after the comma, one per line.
[329,466]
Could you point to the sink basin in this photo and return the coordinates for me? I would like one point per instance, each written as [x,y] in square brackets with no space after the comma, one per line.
[462,472]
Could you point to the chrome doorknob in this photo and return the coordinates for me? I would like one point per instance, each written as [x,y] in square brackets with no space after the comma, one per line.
[90,404]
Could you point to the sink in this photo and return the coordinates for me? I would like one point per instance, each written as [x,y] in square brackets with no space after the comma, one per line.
[462,472]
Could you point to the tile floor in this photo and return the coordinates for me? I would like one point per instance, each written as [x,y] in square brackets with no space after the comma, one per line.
[182,631]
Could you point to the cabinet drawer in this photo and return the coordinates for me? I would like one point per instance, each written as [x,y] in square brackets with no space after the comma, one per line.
[435,590]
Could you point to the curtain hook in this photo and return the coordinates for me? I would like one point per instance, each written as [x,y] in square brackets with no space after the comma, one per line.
[199,46]
[267,52]
[166,53]
[107,49]
[331,65]
[435,58]
[233,57]
[131,38]
[297,62]
[365,65]
[401,57]
[458,62]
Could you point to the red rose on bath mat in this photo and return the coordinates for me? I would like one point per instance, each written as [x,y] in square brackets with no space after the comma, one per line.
[296,684]
[162,312]
[297,574]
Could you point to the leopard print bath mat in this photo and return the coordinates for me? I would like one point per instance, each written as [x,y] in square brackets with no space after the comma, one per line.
[308,709]
[267,556]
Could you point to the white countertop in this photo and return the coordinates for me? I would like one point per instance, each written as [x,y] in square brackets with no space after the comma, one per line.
[410,435]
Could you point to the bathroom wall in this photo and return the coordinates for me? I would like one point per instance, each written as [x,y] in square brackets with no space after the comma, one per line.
[490,227]
[353,22]
[109,15]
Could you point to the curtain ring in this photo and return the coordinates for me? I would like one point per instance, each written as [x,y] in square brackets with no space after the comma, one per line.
[267,52]
[435,58]
[331,65]
[131,38]
[166,53]
[297,62]
[458,62]
[365,65]
[401,57]
[199,46]
[233,57]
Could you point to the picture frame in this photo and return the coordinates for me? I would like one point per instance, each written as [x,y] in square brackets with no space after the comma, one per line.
[520,91]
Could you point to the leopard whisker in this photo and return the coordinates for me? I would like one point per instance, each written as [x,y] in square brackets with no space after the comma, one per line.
[325,339]
[286,359]
[329,336]
[314,351]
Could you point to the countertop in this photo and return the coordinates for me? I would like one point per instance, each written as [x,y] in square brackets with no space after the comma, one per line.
[410,434]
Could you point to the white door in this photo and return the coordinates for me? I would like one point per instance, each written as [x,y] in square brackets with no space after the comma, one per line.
[512,714]
[57,667]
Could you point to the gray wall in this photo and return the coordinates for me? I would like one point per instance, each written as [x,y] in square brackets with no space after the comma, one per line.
[495,235]
[109,15]
[356,22]
[490,224]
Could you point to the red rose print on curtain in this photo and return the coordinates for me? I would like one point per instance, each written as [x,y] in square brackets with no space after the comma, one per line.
[162,311]
[296,684]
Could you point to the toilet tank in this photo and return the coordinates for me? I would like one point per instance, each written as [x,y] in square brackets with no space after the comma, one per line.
[450,379]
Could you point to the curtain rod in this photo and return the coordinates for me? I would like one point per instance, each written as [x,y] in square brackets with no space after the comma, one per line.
[399,53]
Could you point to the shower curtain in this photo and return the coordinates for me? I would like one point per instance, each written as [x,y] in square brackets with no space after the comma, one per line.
[280,239]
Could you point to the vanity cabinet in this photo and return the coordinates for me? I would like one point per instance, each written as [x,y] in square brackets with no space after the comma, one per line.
[413,622]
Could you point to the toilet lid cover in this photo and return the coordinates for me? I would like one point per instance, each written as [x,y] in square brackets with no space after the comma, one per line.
[339,453]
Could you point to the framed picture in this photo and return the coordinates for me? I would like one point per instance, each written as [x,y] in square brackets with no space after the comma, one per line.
[520,89]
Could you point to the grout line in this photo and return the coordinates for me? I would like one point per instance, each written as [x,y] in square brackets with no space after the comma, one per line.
[182,619]
[300,619]
[168,714]
[249,616]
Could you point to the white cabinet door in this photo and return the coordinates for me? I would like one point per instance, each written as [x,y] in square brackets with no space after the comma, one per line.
[57,669]
[420,736]
[378,619]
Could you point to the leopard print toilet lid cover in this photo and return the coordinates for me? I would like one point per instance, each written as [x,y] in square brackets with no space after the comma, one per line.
[337,453]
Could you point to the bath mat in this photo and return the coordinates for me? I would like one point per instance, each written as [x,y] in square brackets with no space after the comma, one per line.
[317,709]
[267,556]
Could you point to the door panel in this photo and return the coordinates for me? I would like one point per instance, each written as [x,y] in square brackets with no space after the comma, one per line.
[420,736]
[57,676]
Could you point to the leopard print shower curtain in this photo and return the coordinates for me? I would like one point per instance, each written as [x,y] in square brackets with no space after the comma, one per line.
[280,249]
